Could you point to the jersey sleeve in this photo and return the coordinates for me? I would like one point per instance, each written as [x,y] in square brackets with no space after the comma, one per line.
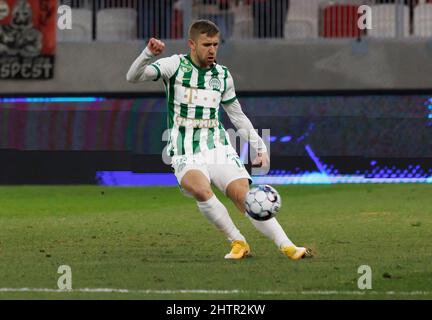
[166,67]
[244,126]
[229,94]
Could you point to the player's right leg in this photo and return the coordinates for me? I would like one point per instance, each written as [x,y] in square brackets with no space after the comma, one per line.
[195,182]
[236,190]
[233,180]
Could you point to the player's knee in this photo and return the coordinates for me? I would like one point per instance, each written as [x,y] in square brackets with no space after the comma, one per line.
[240,201]
[201,194]
[238,195]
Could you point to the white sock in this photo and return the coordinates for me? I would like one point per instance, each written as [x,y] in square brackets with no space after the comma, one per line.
[218,215]
[272,230]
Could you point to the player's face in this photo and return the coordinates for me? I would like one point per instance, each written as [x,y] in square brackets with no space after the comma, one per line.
[204,49]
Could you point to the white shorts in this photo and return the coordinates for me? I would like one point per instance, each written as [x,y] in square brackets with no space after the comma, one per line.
[221,166]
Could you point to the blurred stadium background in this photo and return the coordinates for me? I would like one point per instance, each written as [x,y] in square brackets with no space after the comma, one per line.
[343,105]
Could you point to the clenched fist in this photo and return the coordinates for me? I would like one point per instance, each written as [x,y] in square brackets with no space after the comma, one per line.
[156,46]
[262,160]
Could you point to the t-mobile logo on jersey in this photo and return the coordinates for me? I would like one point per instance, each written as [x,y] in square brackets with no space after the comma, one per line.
[189,93]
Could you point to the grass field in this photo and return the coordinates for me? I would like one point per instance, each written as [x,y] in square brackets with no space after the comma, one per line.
[155,243]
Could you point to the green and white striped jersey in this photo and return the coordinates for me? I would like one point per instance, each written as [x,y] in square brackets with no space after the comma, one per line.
[193,98]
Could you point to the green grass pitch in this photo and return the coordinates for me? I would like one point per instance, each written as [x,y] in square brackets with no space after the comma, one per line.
[155,243]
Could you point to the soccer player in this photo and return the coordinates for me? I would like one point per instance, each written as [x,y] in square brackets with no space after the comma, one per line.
[201,152]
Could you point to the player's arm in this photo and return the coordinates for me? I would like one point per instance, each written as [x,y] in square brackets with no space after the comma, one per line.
[141,69]
[242,123]
[247,131]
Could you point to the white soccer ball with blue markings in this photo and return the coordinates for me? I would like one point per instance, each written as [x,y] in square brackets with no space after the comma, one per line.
[262,202]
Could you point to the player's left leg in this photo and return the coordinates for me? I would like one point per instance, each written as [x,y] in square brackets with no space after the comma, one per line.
[229,175]
[193,177]
[236,191]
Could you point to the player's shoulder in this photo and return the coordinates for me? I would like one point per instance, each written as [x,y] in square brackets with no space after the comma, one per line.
[176,57]
[173,61]
[222,68]
[218,65]
[183,59]
[172,58]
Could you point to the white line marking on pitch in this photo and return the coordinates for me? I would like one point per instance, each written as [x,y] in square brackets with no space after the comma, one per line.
[221,292]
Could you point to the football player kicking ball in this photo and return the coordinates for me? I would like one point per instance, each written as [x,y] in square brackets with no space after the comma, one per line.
[201,152]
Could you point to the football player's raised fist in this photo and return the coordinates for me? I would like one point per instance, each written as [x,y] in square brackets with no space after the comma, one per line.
[156,46]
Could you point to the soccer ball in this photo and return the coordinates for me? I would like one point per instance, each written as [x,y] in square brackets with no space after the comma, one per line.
[262,202]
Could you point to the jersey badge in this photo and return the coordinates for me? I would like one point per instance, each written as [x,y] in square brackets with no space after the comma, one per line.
[215,83]
[185,66]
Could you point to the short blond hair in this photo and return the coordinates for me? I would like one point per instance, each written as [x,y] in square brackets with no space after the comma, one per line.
[203,27]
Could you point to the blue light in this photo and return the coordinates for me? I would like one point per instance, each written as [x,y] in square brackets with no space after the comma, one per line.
[127,178]
[373,162]
[51,99]
[315,159]
[285,139]
[244,152]
[279,176]
[273,138]
[317,178]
